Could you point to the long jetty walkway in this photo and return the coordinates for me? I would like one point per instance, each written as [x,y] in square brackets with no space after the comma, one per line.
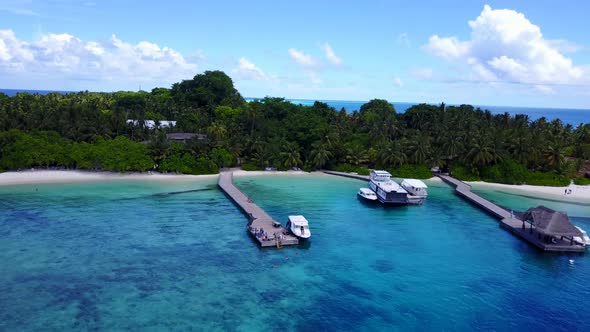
[348,175]
[267,231]
[508,220]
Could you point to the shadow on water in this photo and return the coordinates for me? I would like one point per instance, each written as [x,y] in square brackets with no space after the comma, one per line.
[168,194]
[305,244]
[182,192]
[368,203]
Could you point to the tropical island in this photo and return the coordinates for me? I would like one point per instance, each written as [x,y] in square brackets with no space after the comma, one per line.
[203,124]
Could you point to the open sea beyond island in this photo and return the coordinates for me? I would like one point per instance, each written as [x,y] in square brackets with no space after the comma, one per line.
[117,255]
[566,115]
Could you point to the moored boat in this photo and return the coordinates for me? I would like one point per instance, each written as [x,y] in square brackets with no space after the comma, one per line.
[416,189]
[387,190]
[367,194]
[584,239]
[299,226]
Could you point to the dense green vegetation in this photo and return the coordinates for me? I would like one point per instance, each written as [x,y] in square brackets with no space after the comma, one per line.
[412,171]
[90,131]
[582,181]
[352,169]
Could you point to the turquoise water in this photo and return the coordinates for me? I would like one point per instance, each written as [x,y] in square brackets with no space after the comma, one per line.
[127,255]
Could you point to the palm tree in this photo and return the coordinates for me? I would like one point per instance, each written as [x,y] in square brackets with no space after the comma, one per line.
[159,146]
[218,131]
[451,146]
[356,155]
[519,145]
[419,148]
[580,136]
[392,153]
[291,155]
[480,154]
[554,156]
[262,154]
[320,155]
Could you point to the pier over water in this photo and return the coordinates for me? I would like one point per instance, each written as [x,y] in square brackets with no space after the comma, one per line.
[510,222]
[267,231]
[348,175]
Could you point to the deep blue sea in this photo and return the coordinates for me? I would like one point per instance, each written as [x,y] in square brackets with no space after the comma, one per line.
[12,92]
[128,255]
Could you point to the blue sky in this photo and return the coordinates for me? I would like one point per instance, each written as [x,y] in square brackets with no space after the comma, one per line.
[517,53]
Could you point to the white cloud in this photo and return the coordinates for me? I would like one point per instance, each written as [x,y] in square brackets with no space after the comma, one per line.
[330,55]
[447,48]
[67,57]
[564,46]
[506,47]
[249,71]
[398,82]
[13,52]
[301,58]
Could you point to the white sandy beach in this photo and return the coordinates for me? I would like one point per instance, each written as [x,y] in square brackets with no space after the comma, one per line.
[71,176]
[67,176]
[579,194]
[239,172]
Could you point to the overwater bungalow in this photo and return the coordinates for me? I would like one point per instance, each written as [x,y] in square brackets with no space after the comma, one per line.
[551,226]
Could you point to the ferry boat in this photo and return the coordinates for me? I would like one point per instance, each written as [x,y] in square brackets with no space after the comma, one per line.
[416,189]
[584,240]
[367,194]
[299,226]
[387,190]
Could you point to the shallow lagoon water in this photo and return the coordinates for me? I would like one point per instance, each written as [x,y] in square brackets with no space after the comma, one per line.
[128,255]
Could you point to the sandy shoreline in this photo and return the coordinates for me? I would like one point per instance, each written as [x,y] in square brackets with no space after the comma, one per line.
[69,176]
[240,172]
[73,176]
[580,194]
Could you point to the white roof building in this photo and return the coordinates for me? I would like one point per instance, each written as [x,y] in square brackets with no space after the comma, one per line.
[151,124]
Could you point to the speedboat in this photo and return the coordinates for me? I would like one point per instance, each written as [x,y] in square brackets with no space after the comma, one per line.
[584,239]
[299,226]
[416,189]
[387,190]
[367,194]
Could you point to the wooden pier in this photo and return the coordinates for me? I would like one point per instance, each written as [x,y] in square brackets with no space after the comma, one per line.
[267,231]
[348,175]
[508,221]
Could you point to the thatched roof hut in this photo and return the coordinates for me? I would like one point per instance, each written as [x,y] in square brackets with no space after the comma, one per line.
[550,222]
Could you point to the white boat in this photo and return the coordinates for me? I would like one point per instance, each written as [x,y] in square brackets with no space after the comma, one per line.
[367,194]
[416,189]
[299,226]
[387,190]
[584,239]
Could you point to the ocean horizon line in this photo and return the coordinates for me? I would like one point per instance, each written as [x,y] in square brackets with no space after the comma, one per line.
[418,103]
